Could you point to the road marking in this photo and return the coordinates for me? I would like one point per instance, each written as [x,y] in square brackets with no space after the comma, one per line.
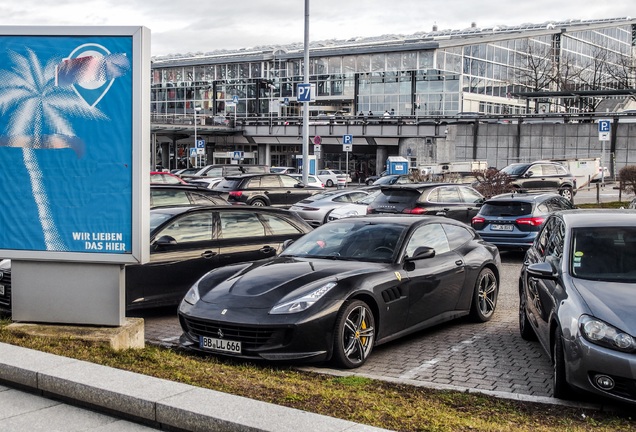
[411,374]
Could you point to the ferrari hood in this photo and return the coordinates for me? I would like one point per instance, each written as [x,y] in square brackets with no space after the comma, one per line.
[612,302]
[262,285]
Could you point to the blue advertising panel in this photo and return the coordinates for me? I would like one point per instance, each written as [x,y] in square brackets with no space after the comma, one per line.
[71,144]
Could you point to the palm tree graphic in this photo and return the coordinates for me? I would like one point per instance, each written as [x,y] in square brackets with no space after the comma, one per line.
[39,118]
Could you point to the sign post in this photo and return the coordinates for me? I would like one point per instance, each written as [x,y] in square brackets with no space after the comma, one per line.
[347,146]
[604,135]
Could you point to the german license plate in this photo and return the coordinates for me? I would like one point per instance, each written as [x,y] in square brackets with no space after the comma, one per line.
[496,227]
[1,289]
[219,345]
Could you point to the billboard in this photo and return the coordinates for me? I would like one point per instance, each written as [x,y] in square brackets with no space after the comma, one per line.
[74,143]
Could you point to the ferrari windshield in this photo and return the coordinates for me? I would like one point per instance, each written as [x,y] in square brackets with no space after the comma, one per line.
[355,240]
[605,254]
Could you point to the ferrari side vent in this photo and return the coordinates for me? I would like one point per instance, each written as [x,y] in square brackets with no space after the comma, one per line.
[391,294]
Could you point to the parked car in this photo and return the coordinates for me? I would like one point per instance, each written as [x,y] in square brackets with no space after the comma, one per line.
[162,177]
[182,195]
[452,200]
[342,289]
[187,242]
[512,221]
[357,208]
[542,176]
[5,287]
[316,208]
[278,190]
[576,297]
[330,177]
[312,180]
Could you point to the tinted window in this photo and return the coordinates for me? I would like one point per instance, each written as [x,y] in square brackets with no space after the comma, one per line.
[278,225]
[471,195]
[168,197]
[431,235]
[201,199]
[193,227]
[288,181]
[228,185]
[240,224]
[446,194]
[506,208]
[457,235]
[549,169]
[270,182]
[515,169]
[397,196]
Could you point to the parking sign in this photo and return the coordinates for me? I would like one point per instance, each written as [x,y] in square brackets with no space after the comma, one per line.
[304,92]
[604,130]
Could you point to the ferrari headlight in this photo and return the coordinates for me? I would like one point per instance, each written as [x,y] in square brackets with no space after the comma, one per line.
[192,296]
[601,333]
[303,302]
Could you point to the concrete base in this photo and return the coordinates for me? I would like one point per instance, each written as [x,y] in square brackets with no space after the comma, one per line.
[129,335]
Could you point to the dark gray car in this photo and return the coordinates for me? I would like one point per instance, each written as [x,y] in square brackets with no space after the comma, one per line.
[541,176]
[576,290]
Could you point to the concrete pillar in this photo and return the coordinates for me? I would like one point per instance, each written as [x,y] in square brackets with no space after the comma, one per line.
[381,154]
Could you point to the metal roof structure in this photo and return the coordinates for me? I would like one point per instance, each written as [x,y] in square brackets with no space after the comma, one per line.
[416,41]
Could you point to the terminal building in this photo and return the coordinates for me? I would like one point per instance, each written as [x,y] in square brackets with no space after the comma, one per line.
[244,101]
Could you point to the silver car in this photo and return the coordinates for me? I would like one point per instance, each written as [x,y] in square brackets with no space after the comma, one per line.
[577,298]
[316,208]
[358,208]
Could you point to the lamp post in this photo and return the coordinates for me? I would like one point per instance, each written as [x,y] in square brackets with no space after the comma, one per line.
[306,104]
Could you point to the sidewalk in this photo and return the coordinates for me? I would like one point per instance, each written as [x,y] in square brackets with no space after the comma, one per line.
[154,402]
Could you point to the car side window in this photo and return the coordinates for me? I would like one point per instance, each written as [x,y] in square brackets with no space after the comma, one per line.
[449,194]
[470,195]
[270,181]
[194,227]
[457,236]
[254,183]
[431,235]
[561,170]
[549,169]
[168,197]
[278,225]
[288,181]
[555,240]
[240,224]
[198,198]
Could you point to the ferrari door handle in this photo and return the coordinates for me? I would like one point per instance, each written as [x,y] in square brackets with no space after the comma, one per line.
[459,262]
[208,254]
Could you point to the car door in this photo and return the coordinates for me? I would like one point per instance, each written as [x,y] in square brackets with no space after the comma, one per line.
[435,284]
[270,187]
[180,253]
[243,237]
[295,190]
[447,201]
[540,292]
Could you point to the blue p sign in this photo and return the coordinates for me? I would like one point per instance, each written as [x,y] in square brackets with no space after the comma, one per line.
[304,92]
[604,126]
[347,139]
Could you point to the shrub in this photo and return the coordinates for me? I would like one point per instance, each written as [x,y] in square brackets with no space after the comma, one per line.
[492,182]
[627,176]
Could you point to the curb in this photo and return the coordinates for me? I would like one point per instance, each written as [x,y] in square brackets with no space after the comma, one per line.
[154,401]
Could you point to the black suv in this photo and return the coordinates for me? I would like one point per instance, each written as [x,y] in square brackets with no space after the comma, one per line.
[277,190]
[541,176]
[452,200]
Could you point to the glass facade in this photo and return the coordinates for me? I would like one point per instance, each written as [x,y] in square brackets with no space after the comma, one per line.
[446,77]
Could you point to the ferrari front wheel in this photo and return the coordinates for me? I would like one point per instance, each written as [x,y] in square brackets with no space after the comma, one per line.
[354,334]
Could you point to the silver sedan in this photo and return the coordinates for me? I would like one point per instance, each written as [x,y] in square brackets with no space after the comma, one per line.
[316,208]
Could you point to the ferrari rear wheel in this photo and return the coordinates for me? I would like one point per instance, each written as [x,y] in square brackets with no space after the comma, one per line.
[485,296]
[354,334]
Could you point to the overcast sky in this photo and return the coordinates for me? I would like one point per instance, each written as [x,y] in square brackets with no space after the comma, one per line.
[182,26]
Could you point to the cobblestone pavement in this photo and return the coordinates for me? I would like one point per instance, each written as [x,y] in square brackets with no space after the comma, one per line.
[487,357]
